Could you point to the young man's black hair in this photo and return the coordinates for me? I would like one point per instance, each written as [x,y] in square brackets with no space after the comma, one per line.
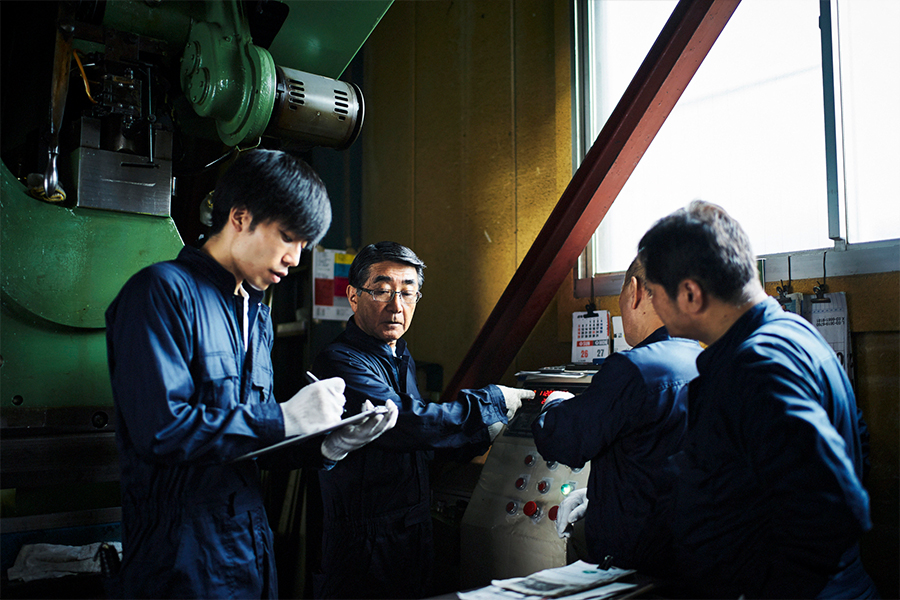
[274,186]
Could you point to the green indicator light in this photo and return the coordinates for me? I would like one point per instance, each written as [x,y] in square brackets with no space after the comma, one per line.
[566,489]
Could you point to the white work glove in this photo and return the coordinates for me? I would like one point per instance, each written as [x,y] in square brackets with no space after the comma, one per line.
[513,398]
[570,510]
[345,440]
[554,396]
[494,429]
[314,407]
[559,395]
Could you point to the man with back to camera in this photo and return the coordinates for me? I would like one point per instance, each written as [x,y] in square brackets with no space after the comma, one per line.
[189,344]
[768,496]
[377,540]
[627,423]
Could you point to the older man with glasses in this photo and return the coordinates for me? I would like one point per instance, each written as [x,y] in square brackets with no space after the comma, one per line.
[377,539]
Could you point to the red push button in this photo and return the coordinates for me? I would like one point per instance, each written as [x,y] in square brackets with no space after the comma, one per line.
[530,460]
[553,513]
[521,483]
[543,487]
[532,509]
[512,508]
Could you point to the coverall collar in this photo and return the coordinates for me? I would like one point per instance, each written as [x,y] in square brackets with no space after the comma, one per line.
[371,344]
[221,277]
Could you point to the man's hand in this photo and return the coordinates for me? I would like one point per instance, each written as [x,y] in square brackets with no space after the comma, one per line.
[340,442]
[494,429]
[315,407]
[513,398]
[558,395]
[571,509]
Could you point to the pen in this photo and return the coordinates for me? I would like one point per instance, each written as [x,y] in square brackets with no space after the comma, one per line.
[607,560]
[313,379]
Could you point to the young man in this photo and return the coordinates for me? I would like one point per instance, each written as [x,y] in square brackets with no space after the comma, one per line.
[627,423]
[189,345]
[768,499]
[378,532]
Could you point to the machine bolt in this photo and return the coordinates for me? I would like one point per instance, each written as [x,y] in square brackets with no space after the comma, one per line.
[99,419]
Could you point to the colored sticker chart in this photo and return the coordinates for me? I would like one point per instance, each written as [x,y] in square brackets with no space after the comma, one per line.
[331,275]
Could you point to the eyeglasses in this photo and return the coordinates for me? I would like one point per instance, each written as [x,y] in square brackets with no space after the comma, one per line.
[406,296]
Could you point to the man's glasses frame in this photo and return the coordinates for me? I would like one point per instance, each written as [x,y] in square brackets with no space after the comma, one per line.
[386,296]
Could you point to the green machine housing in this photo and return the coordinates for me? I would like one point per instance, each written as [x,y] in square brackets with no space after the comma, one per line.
[116,119]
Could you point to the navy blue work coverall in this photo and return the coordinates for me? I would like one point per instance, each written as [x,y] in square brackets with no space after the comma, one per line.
[188,399]
[768,498]
[627,423]
[377,540]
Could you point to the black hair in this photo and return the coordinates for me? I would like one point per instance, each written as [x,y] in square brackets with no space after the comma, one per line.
[273,186]
[384,252]
[701,242]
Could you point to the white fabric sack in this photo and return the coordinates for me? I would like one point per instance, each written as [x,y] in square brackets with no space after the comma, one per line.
[45,561]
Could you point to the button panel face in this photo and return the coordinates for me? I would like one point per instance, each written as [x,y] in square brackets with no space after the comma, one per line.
[553,481]
[508,527]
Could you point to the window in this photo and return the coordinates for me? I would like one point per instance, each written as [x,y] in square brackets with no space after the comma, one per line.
[749,131]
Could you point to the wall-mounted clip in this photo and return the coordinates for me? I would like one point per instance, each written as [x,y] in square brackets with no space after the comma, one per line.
[784,290]
[821,289]
[591,307]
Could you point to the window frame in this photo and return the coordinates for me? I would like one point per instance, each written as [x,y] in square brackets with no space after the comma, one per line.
[842,259]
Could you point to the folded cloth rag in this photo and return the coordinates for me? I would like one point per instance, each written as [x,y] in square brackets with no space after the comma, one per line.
[45,561]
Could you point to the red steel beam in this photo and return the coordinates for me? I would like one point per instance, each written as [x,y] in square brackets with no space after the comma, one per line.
[676,55]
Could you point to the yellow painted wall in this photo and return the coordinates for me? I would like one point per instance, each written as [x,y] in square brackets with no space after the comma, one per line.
[466,149]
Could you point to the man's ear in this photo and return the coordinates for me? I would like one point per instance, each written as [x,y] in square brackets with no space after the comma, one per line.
[638,293]
[691,298]
[352,297]
[239,218]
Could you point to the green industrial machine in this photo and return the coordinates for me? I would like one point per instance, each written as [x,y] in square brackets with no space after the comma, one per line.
[117,117]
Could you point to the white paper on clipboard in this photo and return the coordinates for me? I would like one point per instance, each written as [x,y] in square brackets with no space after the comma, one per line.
[378,410]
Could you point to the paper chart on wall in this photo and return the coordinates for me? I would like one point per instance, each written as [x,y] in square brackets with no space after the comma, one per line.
[830,319]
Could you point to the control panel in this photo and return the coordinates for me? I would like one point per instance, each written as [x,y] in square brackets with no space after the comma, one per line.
[509,528]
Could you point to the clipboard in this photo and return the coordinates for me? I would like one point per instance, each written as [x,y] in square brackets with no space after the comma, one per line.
[378,410]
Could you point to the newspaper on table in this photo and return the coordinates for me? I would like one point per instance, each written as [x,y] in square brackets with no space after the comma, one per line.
[562,581]
[493,592]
